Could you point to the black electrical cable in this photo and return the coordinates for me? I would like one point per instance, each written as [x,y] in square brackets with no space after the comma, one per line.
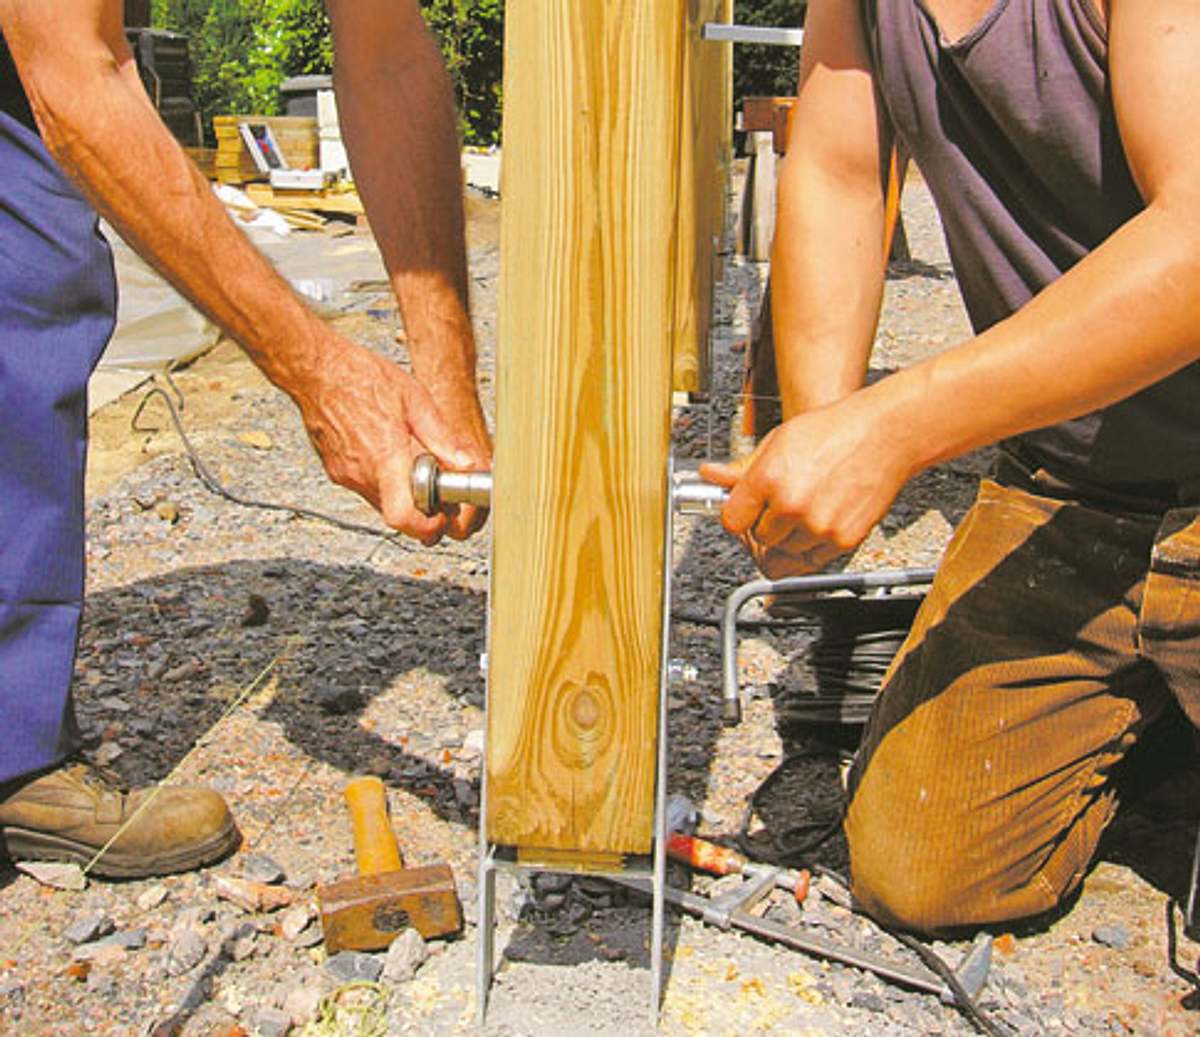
[1187,975]
[215,486]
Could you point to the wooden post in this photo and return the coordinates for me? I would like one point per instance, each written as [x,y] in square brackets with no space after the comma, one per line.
[596,207]
[762,226]
[706,151]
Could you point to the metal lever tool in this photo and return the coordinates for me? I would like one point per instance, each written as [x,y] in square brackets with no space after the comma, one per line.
[432,488]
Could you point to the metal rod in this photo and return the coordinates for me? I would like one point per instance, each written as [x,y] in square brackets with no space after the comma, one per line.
[485,951]
[658,906]
[723,33]
[432,488]
[918,978]
[855,581]
[691,495]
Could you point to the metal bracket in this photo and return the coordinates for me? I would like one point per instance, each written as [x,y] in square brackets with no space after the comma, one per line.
[490,860]
[856,582]
[724,33]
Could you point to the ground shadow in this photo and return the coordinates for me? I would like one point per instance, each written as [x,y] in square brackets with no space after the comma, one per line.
[161,659]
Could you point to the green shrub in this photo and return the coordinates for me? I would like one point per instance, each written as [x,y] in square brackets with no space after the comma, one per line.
[243,49]
[471,34]
[763,70]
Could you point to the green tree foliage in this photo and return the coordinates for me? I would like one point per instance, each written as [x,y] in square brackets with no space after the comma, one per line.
[242,50]
[471,34]
[761,71]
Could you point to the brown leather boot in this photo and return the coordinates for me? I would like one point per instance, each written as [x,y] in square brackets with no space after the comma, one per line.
[69,813]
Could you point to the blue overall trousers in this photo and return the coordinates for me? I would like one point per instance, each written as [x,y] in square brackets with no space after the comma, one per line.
[57,309]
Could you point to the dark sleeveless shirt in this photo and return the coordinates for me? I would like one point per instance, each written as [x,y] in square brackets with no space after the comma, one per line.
[1013,129]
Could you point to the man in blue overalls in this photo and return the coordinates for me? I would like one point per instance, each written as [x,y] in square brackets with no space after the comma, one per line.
[77,135]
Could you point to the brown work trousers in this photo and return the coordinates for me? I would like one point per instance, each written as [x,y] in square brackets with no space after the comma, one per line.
[1055,633]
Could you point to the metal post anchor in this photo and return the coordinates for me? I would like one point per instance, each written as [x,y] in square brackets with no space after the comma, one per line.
[687,494]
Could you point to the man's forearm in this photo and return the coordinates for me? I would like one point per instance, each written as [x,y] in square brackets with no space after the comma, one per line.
[398,117]
[827,262]
[1123,318]
[827,283]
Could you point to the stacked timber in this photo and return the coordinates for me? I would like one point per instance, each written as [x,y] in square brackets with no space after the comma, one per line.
[341,198]
[295,135]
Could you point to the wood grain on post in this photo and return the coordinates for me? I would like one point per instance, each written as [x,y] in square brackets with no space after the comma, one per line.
[593,219]
[706,151]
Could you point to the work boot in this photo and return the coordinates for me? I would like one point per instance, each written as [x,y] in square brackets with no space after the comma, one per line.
[69,813]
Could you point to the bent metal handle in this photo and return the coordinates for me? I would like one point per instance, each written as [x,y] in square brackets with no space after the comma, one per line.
[432,488]
[375,846]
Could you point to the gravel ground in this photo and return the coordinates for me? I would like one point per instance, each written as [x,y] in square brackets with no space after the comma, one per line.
[271,656]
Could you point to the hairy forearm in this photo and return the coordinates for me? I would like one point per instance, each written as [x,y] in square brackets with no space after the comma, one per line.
[96,121]
[1123,318]
[398,118]
[827,283]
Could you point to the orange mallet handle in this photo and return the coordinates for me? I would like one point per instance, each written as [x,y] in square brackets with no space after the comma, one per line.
[375,846]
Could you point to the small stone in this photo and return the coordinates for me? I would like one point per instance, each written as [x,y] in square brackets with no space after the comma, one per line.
[473,743]
[871,1002]
[301,1003]
[103,953]
[130,939]
[551,882]
[168,511]
[100,984]
[150,898]
[380,765]
[187,951]
[11,989]
[90,927]
[309,936]
[833,890]
[337,701]
[54,874]
[179,673]
[252,896]
[1114,936]
[107,754]
[256,438]
[242,948]
[270,1022]
[726,884]
[294,921]
[258,867]
[406,954]
[465,793]
[348,966]
[257,611]
[192,918]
